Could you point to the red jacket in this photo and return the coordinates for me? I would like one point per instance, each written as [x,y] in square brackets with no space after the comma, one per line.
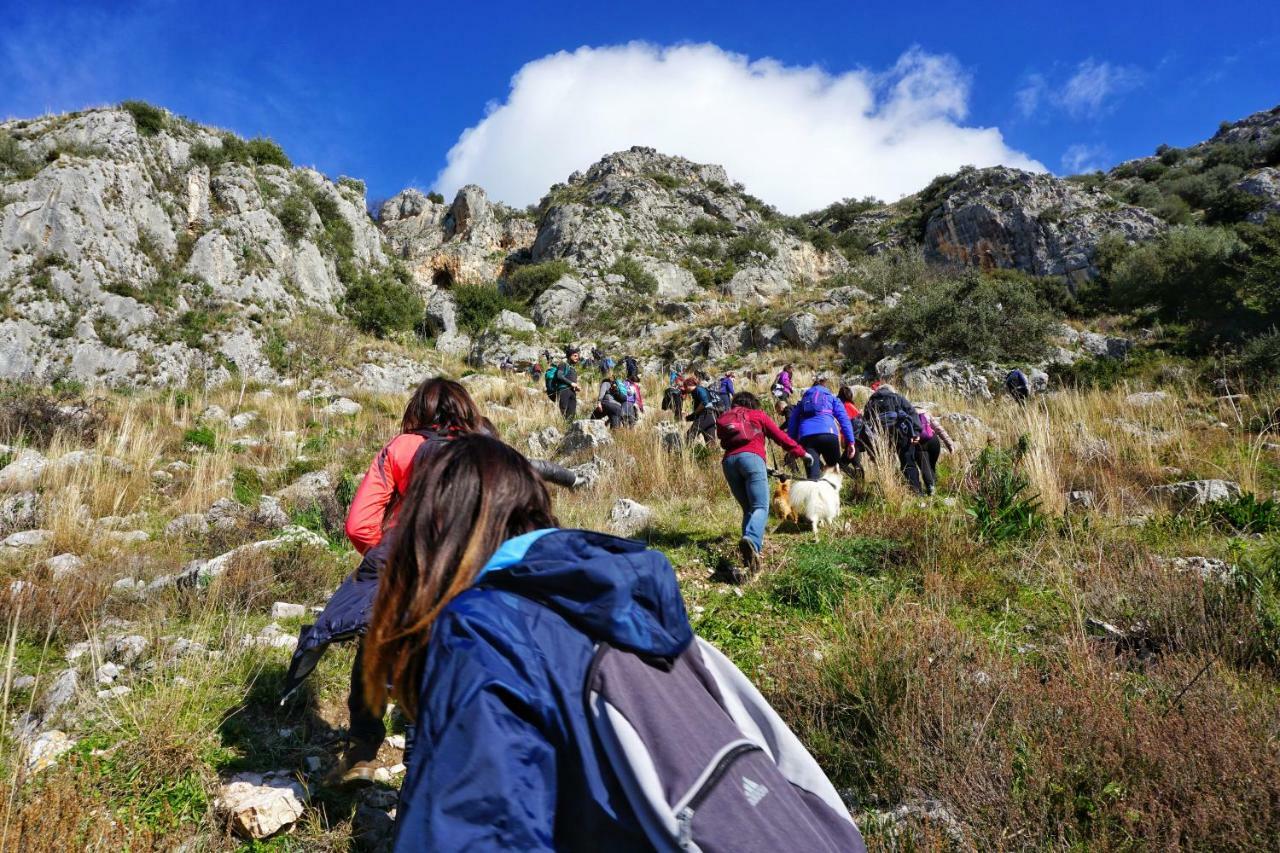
[768,428]
[377,500]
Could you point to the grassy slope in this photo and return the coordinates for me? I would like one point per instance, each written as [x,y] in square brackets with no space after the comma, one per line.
[917,662]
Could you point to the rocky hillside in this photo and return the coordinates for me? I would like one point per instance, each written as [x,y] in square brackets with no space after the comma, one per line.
[154,250]
[137,247]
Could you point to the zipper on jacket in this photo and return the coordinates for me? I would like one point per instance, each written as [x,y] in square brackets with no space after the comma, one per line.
[684,817]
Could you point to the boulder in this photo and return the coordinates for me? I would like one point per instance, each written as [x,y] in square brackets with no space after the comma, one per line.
[510,321]
[341,407]
[1195,493]
[45,750]
[801,330]
[25,539]
[585,435]
[244,420]
[1207,568]
[23,471]
[1264,185]
[285,610]
[960,377]
[63,567]
[1103,346]
[225,514]
[19,512]
[59,694]
[308,489]
[269,513]
[1081,499]
[628,517]
[756,284]
[213,415]
[188,526]
[258,805]
[1146,399]
[543,443]
[559,304]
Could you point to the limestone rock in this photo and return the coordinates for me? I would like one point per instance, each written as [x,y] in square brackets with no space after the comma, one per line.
[309,488]
[342,407]
[46,749]
[23,471]
[801,330]
[1036,223]
[628,517]
[59,694]
[960,377]
[1194,493]
[258,805]
[510,321]
[585,435]
[559,304]
[25,539]
[64,566]
[543,443]
[188,526]
[1263,184]
[285,610]
[19,512]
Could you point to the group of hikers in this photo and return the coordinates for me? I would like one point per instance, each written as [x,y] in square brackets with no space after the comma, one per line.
[555,693]
[538,667]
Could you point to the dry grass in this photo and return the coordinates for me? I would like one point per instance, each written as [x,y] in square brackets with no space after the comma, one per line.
[948,669]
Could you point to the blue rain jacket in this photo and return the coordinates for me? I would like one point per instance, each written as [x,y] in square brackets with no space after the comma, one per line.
[504,757]
[828,416]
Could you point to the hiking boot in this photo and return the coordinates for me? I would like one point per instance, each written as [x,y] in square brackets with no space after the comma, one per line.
[750,556]
[356,767]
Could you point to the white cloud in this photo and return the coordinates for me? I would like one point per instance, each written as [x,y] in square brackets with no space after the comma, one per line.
[1082,157]
[798,137]
[1088,91]
[1029,96]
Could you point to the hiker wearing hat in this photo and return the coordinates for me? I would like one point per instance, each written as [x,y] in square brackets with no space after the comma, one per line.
[564,382]
[817,423]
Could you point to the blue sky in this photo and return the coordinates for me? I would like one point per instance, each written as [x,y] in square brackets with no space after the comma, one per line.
[384,91]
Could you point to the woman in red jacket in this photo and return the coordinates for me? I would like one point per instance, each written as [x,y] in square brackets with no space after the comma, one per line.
[439,410]
[742,432]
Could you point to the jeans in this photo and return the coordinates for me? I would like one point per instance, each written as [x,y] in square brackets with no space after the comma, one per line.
[749,483]
[825,451]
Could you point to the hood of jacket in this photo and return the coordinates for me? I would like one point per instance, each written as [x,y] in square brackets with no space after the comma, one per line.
[611,589]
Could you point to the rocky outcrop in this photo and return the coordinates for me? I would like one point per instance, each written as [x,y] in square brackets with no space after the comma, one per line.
[1263,185]
[1008,218]
[466,242]
[114,243]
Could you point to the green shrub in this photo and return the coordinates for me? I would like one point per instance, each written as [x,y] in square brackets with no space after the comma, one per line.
[706,226]
[436,197]
[14,161]
[267,152]
[201,437]
[295,215]
[257,151]
[1002,504]
[1260,359]
[149,119]
[478,304]
[635,276]
[975,316]
[384,301]
[525,284]
[1245,515]
[246,486]
[352,184]
[742,250]
[662,179]
[820,574]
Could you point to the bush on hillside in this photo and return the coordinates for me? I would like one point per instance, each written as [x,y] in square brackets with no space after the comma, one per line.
[149,119]
[706,226]
[478,305]
[295,215]
[635,277]
[384,301]
[436,197]
[975,316]
[744,249]
[527,283]
[259,151]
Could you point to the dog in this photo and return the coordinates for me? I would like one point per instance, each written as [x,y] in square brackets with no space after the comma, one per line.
[782,502]
[816,501]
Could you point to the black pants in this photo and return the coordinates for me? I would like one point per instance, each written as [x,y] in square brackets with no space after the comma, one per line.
[907,452]
[567,400]
[704,424]
[367,730]
[677,406]
[613,410]
[927,453]
[825,450]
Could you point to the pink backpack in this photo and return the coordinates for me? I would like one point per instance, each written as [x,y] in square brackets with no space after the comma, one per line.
[926,428]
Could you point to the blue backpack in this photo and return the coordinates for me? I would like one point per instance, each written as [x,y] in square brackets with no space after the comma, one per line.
[809,405]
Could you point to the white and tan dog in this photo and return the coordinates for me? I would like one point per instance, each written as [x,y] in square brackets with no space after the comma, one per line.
[817,501]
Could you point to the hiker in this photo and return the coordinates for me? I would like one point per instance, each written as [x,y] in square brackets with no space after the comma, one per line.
[742,432]
[507,365]
[673,399]
[891,416]
[632,368]
[845,396]
[817,423]
[633,406]
[611,400]
[726,388]
[597,358]
[514,645]
[702,419]
[439,411]
[933,437]
[608,364]
[1015,382]
[782,389]
[562,384]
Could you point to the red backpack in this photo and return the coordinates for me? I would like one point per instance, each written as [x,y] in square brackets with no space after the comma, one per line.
[736,428]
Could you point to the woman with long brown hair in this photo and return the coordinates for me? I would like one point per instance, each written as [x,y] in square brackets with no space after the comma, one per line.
[439,411]
[484,627]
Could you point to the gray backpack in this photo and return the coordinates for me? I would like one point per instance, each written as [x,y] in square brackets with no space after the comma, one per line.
[706,763]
